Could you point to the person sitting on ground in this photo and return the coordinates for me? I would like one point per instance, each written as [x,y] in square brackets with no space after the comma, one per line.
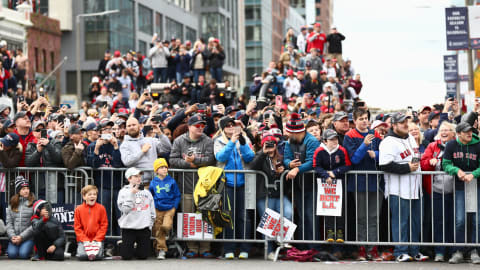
[48,234]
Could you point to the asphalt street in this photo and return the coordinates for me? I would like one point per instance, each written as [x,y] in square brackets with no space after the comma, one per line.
[203,264]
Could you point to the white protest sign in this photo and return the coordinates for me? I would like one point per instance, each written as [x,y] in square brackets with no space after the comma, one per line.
[191,226]
[270,225]
[329,198]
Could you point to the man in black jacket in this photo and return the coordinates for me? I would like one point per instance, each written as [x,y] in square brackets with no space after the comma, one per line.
[334,40]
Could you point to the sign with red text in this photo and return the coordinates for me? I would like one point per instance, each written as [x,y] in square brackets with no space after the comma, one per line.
[270,225]
[329,198]
[191,226]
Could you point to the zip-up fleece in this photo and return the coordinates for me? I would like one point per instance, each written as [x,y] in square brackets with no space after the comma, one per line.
[165,192]
[90,222]
[335,160]
[137,209]
[459,156]
[395,154]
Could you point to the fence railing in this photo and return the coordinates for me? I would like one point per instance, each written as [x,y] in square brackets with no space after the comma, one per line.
[443,214]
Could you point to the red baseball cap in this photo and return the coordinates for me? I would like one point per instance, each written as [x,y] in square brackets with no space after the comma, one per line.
[290,72]
[317,24]
[117,53]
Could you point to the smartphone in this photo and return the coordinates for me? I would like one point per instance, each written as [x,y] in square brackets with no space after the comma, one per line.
[106,137]
[297,155]
[141,186]
[147,129]
[278,101]
[371,131]
[21,98]
[214,108]
[201,107]
[157,118]
[43,133]
[66,123]
[41,92]
[253,98]
[238,129]
[415,160]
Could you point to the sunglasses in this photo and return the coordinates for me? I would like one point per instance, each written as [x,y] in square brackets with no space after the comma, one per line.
[230,125]
[199,125]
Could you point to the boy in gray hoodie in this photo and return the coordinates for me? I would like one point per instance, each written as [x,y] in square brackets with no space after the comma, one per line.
[138,215]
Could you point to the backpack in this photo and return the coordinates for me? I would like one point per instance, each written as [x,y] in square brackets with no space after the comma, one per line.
[210,198]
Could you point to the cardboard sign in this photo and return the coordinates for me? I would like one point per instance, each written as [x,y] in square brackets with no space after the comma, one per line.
[64,213]
[191,226]
[270,225]
[329,198]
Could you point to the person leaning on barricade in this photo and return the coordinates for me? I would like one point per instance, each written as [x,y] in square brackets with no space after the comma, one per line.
[10,151]
[73,153]
[399,157]
[461,160]
[192,150]
[298,158]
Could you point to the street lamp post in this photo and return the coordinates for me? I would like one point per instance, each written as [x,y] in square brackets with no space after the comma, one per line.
[77,48]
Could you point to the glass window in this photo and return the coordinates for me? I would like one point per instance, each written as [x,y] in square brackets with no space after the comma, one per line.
[52,60]
[145,16]
[251,71]
[37,61]
[174,28]
[252,13]
[209,3]
[44,60]
[190,34]
[43,7]
[114,32]
[142,47]
[318,1]
[253,53]
[252,32]
[318,11]
[72,82]
[159,25]
[210,24]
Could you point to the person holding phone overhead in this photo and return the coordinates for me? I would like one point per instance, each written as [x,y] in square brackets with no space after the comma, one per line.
[233,150]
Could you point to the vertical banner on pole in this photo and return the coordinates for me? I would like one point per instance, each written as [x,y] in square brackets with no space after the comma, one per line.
[450,68]
[474,26]
[456,19]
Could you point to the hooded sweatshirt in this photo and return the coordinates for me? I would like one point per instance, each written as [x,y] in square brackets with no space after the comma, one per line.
[132,155]
[395,154]
[165,193]
[459,156]
[137,209]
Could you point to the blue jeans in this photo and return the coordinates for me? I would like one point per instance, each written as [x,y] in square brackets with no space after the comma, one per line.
[179,77]
[442,209]
[402,219]
[305,203]
[197,73]
[22,251]
[460,219]
[160,75]
[274,204]
[241,221]
[217,74]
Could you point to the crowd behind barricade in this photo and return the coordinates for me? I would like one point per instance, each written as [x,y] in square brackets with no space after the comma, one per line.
[302,114]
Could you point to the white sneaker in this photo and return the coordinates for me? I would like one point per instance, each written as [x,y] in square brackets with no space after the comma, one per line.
[161,255]
[439,258]
[404,258]
[474,257]
[271,256]
[457,257]
[243,255]
[420,257]
[229,256]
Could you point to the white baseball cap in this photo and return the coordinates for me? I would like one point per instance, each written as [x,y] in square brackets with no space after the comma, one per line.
[132,171]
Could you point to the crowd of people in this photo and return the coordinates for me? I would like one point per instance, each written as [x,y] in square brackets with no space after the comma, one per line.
[302,114]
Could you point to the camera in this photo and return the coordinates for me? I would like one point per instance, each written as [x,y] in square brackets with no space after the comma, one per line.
[202,108]
[106,137]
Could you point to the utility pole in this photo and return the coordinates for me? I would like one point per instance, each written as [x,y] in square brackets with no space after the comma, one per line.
[470,57]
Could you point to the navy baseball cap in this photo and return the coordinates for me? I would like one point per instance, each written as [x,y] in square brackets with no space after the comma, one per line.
[11,139]
[197,119]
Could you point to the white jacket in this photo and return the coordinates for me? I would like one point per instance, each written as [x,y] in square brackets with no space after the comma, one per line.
[293,86]
[400,151]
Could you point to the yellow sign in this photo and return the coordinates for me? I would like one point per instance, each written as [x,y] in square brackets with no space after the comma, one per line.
[476,81]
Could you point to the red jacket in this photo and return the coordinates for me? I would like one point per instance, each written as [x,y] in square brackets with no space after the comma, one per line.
[432,151]
[317,43]
[30,138]
[5,76]
[90,222]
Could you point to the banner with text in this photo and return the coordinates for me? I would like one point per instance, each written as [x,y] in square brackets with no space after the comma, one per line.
[270,225]
[191,226]
[450,68]
[456,19]
[329,198]
[64,213]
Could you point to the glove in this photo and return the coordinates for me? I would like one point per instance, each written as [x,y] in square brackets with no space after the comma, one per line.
[241,139]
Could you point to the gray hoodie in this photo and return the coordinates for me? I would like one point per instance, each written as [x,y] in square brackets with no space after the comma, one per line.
[159,56]
[132,155]
[203,149]
[19,223]
[138,210]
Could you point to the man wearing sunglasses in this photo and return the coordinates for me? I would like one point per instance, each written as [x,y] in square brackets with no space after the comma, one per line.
[192,150]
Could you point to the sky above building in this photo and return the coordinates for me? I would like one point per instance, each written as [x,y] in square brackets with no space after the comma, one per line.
[397,47]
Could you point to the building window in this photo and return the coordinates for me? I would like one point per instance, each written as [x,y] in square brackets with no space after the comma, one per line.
[159,25]
[190,34]
[36,60]
[113,32]
[317,11]
[43,7]
[52,60]
[145,16]
[174,29]
[252,33]
[44,60]
[211,25]
[142,47]
[251,71]
[318,1]
[253,13]
[72,82]
[253,53]
[209,3]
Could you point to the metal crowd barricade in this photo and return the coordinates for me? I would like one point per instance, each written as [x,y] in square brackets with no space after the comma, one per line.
[105,179]
[428,230]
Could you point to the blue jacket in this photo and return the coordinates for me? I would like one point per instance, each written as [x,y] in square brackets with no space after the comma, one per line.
[336,161]
[361,161]
[311,144]
[165,193]
[233,156]
[107,157]
[183,63]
